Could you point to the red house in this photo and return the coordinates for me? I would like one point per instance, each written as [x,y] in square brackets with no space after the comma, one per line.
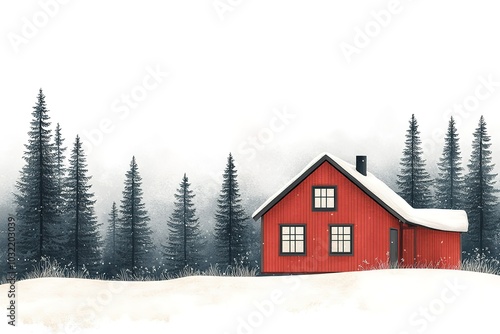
[335,217]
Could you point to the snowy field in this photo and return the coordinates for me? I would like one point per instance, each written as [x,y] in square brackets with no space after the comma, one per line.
[399,301]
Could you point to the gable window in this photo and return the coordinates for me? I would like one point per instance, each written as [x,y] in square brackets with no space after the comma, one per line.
[341,239]
[293,239]
[324,198]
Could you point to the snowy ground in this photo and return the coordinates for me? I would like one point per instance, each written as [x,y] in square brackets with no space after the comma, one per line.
[399,301]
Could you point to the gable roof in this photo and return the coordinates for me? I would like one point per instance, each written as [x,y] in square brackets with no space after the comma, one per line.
[439,219]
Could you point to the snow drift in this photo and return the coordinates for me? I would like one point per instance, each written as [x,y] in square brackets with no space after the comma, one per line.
[399,301]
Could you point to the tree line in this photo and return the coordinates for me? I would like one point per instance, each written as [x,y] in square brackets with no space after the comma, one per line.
[57,220]
[455,187]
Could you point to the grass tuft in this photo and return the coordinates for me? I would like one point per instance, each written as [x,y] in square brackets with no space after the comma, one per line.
[214,270]
[51,268]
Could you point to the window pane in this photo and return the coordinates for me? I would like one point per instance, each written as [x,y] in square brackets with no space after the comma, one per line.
[285,230]
[317,202]
[300,247]
[329,192]
[292,247]
[334,247]
[347,246]
[330,203]
[285,237]
[323,202]
[323,192]
[285,247]
[335,237]
[299,237]
[347,229]
[299,230]
[347,237]
[317,192]
[334,229]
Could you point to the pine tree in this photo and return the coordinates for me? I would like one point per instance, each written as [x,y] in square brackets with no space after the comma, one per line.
[481,199]
[231,220]
[185,242]
[59,246]
[450,180]
[135,243]
[414,182]
[37,197]
[111,249]
[59,159]
[85,240]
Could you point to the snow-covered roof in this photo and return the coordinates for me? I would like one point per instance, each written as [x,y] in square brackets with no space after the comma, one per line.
[439,219]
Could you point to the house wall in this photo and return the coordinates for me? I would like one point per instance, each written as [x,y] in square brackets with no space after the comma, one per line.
[435,248]
[408,247]
[371,227]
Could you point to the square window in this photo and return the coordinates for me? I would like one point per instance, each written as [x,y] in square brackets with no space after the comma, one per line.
[293,239]
[324,198]
[341,239]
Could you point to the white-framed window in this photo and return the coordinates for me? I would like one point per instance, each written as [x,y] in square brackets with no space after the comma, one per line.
[341,239]
[293,239]
[324,198]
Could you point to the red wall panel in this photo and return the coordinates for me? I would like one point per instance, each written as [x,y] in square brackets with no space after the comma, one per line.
[408,247]
[439,249]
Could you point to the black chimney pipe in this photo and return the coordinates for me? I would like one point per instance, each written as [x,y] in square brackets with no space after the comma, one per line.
[361,164]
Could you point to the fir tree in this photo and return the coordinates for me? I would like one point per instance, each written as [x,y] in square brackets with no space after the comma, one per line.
[59,246]
[185,243]
[481,199]
[37,191]
[414,182]
[231,220]
[85,241]
[111,250]
[135,243]
[59,160]
[450,180]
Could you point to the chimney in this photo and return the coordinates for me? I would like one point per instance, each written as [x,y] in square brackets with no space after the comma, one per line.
[361,164]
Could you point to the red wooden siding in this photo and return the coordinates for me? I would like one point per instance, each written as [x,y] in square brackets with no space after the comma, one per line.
[437,248]
[371,224]
[408,247]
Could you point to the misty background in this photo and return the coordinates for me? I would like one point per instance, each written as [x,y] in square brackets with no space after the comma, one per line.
[179,85]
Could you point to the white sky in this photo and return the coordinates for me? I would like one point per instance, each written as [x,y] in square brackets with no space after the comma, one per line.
[230,73]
